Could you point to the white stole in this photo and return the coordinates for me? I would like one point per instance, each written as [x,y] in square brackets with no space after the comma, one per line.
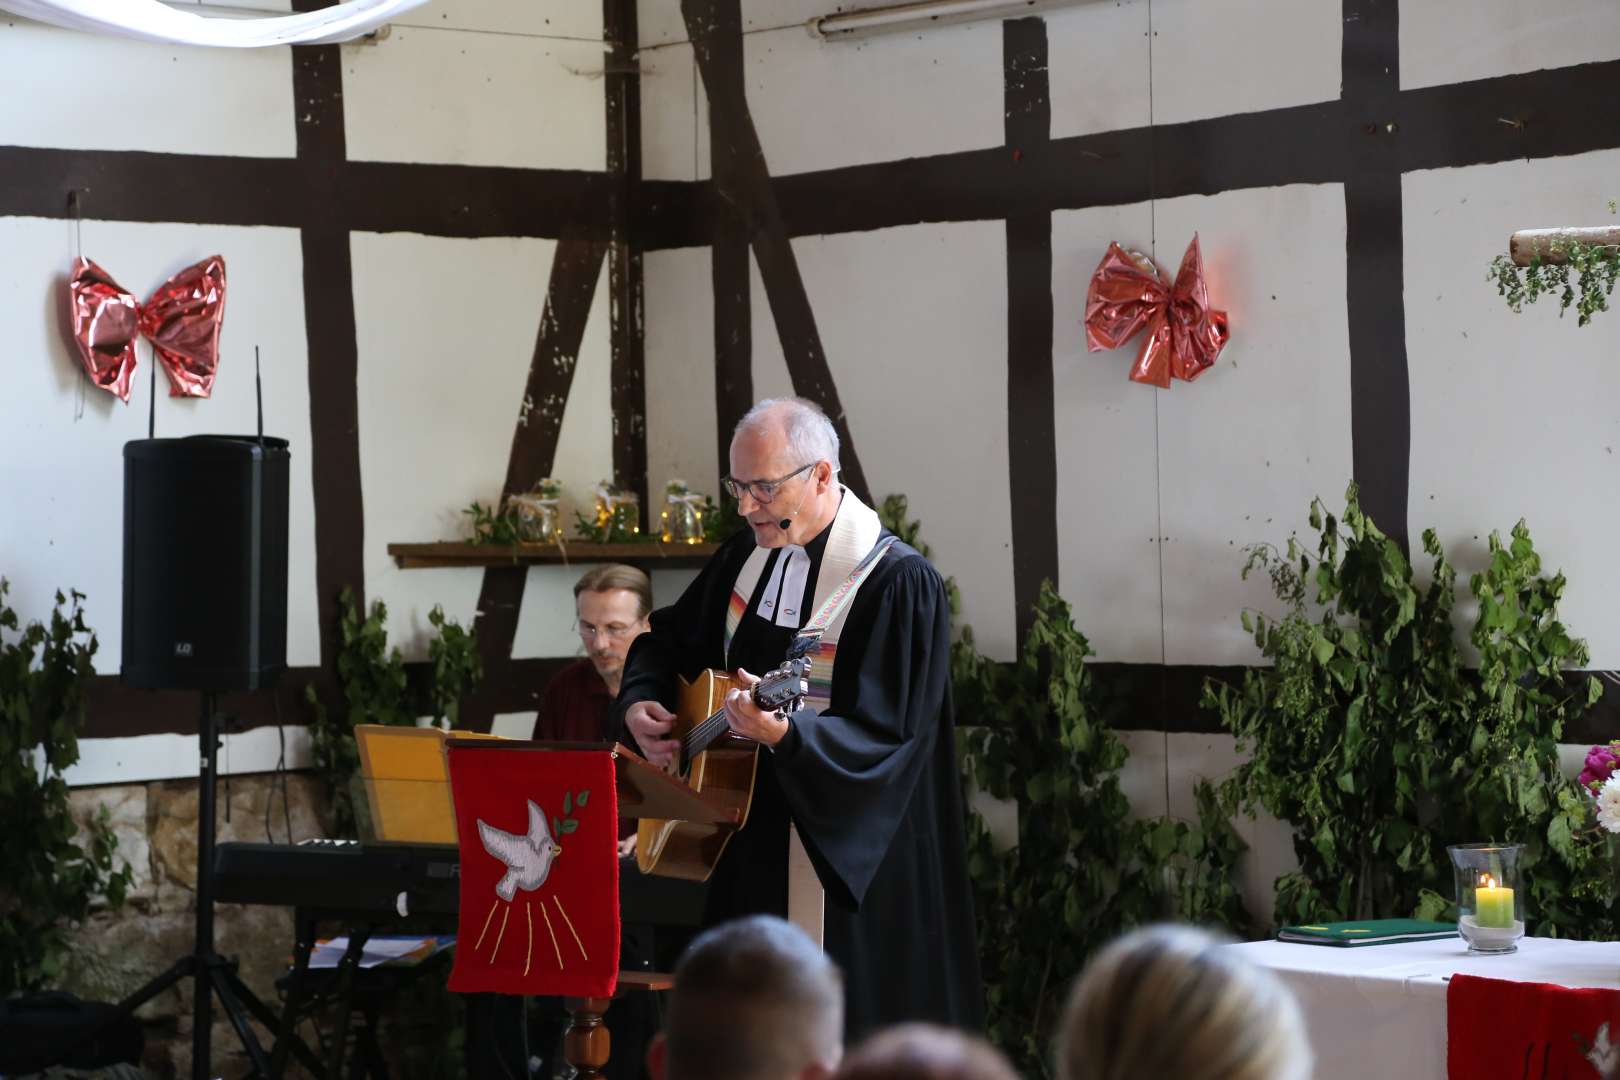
[855,530]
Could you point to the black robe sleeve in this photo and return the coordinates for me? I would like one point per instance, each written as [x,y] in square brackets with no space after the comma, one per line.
[849,773]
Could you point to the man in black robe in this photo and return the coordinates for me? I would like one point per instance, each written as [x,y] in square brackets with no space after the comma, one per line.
[871,782]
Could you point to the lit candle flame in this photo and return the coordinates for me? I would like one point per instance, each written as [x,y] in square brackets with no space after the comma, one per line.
[1486,881]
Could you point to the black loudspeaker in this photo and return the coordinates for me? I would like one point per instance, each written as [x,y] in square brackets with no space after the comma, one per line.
[205,562]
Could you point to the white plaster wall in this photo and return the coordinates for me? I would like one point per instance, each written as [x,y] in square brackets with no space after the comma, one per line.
[62,471]
[80,91]
[525,18]
[925,394]
[1204,468]
[661,22]
[819,105]
[1242,56]
[1105,430]
[1513,416]
[1244,449]
[494,98]
[1098,74]
[679,348]
[1447,41]
[439,401]
[674,115]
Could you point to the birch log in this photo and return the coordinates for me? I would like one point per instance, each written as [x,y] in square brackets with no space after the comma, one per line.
[1550,244]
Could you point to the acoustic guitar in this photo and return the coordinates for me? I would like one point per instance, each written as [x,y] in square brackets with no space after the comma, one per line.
[716,761]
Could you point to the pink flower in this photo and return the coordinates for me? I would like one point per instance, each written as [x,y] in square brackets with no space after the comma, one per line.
[1601,762]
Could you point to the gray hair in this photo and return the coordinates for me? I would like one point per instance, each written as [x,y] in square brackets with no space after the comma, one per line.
[1170,1001]
[754,999]
[810,435]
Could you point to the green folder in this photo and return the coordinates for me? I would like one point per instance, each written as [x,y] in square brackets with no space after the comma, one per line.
[1367,932]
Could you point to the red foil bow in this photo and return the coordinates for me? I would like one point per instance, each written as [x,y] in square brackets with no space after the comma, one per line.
[181,320]
[1128,292]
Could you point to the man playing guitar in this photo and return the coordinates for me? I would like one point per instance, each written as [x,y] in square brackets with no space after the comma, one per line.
[864,775]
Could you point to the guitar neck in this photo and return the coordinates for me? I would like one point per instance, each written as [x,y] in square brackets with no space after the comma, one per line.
[703,735]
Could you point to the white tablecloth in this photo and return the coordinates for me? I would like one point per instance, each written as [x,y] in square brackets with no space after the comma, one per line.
[1380,1010]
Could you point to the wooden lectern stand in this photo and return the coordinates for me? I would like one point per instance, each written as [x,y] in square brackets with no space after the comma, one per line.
[643,790]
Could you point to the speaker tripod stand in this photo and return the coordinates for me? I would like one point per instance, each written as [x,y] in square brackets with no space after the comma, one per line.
[212,974]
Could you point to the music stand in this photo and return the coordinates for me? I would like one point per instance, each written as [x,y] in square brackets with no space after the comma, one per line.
[213,973]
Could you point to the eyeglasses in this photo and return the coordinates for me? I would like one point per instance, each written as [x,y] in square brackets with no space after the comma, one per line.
[762,491]
[616,631]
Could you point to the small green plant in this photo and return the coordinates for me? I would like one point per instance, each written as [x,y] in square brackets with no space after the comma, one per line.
[372,679]
[892,513]
[457,667]
[721,523]
[376,690]
[493,525]
[1084,870]
[1373,740]
[50,874]
[622,524]
[1584,280]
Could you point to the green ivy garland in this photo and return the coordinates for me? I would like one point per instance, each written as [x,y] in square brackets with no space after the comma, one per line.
[1083,870]
[1595,268]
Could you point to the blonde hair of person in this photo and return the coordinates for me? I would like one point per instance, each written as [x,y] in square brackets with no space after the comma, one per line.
[1172,1001]
[924,1052]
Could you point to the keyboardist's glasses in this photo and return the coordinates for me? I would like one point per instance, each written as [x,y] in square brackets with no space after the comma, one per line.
[616,631]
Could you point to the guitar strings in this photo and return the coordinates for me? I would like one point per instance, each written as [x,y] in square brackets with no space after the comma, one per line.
[698,739]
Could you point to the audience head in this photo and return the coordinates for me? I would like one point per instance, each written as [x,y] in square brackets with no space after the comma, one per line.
[612,603]
[1170,1001]
[924,1052]
[754,999]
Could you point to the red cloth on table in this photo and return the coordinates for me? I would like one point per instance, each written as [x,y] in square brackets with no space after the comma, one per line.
[539,871]
[575,707]
[1529,1031]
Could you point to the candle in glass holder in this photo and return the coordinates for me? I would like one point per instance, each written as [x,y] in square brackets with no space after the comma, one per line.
[1493,904]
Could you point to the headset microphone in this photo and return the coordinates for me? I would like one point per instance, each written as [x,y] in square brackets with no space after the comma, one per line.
[787,523]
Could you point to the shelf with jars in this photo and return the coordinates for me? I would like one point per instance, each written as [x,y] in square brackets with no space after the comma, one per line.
[649,555]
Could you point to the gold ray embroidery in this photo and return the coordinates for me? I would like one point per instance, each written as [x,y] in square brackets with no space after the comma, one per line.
[485,930]
[504,916]
[558,901]
[553,934]
[528,917]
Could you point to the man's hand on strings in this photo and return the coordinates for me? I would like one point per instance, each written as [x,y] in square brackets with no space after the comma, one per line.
[748,719]
[648,722]
[627,846]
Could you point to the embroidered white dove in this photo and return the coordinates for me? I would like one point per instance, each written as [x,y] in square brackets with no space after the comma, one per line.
[1603,1055]
[528,858]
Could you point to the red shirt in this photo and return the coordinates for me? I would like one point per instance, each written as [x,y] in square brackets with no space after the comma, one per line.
[574,708]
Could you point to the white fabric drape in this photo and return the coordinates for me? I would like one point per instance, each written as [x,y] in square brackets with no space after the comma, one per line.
[149,20]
